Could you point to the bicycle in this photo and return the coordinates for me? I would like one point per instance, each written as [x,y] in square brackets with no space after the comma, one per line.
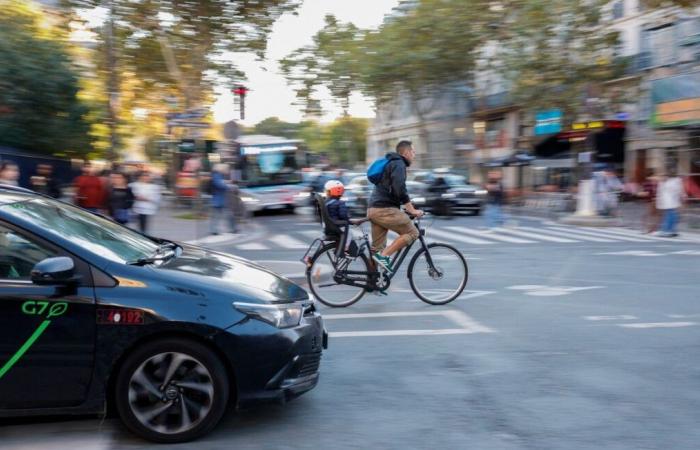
[338,277]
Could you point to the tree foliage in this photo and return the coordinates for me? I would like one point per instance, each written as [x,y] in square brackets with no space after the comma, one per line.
[552,63]
[186,45]
[39,106]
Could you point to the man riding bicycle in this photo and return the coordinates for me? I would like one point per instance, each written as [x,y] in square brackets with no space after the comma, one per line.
[385,206]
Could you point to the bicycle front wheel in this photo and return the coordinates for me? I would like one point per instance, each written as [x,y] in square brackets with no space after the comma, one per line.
[443,280]
[320,276]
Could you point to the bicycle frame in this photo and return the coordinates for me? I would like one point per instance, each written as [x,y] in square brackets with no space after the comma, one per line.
[396,263]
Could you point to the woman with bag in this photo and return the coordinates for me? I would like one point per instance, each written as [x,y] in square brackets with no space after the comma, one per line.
[120,198]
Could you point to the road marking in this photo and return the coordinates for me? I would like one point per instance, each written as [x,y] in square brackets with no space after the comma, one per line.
[455,237]
[567,235]
[682,316]
[491,235]
[550,291]
[467,324]
[466,294]
[599,234]
[633,253]
[286,241]
[620,317]
[635,235]
[341,334]
[531,235]
[252,246]
[687,252]
[313,234]
[657,325]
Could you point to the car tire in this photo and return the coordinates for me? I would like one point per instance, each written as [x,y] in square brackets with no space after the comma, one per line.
[200,380]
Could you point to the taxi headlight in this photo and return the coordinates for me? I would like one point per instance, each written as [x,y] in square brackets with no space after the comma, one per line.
[481,192]
[448,195]
[247,199]
[280,316]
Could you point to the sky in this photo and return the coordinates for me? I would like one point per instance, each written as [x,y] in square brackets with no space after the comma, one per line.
[270,95]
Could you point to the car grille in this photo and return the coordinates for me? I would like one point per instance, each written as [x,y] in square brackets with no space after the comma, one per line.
[466,195]
[308,364]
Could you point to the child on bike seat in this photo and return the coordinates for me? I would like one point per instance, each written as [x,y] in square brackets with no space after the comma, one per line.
[336,208]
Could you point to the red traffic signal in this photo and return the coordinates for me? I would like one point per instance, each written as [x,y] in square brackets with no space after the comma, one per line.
[240,90]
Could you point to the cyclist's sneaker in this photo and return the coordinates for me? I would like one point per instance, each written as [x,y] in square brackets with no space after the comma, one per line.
[383,261]
[379,293]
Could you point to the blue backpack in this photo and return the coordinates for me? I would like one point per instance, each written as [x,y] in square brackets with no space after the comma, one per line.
[376,170]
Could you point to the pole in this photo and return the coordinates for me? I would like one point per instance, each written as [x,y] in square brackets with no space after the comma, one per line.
[112,83]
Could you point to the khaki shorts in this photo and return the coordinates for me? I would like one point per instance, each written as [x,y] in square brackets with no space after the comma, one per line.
[385,219]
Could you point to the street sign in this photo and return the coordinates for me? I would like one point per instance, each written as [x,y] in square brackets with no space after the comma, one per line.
[190,114]
[187,124]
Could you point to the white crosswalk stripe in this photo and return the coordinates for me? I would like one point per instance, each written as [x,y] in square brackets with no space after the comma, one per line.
[599,233]
[252,246]
[494,235]
[313,234]
[565,234]
[646,237]
[287,241]
[456,237]
[539,235]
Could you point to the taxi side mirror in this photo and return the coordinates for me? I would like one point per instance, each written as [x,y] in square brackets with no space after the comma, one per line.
[54,271]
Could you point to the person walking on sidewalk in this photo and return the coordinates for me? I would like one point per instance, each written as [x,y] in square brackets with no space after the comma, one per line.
[120,198]
[89,190]
[494,201]
[648,193]
[146,199]
[219,189]
[669,198]
[385,206]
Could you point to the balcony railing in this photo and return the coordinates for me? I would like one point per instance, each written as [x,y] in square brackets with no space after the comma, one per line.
[492,101]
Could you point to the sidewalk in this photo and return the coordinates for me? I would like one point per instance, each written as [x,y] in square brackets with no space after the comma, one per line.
[180,224]
[631,215]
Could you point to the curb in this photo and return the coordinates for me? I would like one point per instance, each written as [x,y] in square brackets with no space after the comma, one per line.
[590,221]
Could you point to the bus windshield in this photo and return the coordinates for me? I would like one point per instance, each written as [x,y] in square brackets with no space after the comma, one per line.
[270,168]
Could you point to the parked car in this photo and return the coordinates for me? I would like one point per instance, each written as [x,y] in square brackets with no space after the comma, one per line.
[93,313]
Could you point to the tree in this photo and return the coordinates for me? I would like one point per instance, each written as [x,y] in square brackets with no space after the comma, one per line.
[273,126]
[348,140]
[553,63]
[39,105]
[427,50]
[185,45]
[330,61]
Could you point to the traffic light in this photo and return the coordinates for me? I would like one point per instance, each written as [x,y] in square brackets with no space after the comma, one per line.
[240,91]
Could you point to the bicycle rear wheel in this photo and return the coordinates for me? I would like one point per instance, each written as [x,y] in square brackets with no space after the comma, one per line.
[322,284]
[442,282]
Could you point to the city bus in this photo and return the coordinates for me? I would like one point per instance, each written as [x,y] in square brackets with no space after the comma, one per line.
[268,171]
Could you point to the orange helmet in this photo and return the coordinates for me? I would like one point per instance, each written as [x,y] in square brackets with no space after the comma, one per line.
[334,188]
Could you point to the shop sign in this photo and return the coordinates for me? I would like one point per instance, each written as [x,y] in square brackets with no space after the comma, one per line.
[548,122]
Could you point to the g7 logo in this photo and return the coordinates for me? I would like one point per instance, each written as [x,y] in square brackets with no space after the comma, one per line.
[38,308]
[35,308]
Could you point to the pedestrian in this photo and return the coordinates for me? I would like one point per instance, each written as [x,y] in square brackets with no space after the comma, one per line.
[669,198]
[146,199]
[219,189]
[9,173]
[648,194]
[495,199]
[120,198]
[235,207]
[43,181]
[89,189]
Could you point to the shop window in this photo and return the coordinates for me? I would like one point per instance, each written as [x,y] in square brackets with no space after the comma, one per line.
[618,9]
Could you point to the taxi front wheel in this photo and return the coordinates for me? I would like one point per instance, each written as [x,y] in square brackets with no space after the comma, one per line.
[172,390]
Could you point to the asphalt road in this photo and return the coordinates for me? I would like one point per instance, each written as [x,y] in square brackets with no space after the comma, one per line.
[566,338]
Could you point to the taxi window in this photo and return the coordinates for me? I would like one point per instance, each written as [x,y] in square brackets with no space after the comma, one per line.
[93,233]
[18,255]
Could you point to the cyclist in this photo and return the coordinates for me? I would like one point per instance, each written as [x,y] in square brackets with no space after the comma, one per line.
[385,206]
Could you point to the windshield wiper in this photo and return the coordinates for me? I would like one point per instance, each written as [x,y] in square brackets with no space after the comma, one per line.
[158,255]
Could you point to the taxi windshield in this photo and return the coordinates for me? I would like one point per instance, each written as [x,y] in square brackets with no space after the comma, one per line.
[94,233]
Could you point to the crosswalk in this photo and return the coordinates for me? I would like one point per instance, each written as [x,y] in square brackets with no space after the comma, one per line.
[300,239]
